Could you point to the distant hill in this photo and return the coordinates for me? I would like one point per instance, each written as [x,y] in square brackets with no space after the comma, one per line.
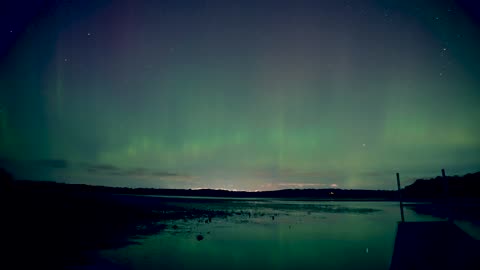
[467,186]
[47,186]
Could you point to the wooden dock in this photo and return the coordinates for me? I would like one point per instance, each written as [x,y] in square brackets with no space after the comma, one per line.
[434,245]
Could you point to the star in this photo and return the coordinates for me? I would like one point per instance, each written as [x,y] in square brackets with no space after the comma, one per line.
[89,34]
[65,59]
[364,145]
[444,49]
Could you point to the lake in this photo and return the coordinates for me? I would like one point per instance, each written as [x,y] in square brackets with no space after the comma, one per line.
[273,234]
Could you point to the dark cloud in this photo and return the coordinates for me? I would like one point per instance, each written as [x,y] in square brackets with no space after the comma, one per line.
[5,161]
[46,163]
[164,174]
[102,167]
[137,171]
[52,163]
[131,172]
[298,174]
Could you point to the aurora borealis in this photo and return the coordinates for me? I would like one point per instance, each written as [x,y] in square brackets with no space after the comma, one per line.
[247,95]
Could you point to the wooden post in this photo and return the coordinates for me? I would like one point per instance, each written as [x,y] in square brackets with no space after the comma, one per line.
[400,197]
[445,184]
[447,199]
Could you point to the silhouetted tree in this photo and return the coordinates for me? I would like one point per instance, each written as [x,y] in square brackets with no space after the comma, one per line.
[6,182]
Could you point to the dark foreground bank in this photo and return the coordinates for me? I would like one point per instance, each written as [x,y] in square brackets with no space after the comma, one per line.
[52,229]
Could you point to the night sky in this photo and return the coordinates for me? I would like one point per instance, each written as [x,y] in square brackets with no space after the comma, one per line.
[245,95]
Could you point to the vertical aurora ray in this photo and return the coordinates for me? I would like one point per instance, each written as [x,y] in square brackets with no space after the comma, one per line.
[5,139]
[59,86]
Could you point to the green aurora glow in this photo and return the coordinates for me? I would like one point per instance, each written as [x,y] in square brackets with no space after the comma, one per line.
[244,96]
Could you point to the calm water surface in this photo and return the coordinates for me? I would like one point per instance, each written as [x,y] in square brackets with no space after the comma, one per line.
[301,235]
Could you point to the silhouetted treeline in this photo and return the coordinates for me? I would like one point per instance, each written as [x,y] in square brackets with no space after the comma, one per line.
[6,182]
[467,186]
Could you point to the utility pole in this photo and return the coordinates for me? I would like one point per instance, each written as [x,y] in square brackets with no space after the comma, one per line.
[400,197]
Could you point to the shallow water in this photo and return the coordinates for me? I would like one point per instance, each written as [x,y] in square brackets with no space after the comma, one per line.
[272,234]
